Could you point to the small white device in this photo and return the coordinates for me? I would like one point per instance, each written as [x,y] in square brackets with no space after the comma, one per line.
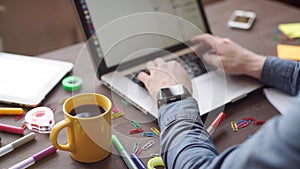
[241,19]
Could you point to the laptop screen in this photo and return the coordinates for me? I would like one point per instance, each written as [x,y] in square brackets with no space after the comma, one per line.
[130,30]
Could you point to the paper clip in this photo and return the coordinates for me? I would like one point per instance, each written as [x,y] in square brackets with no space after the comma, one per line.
[115,109]
[155,130]
[148,145]
[138,151]
[53,108]
[149,134]
[234,126]
[249,118]
[261,122]
[135,124]
[135,147]
[240,121]
[242,125]
[116,115]
[125,102]
[138,130]
[152,155]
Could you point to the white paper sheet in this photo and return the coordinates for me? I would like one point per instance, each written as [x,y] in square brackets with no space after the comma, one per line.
[283,102]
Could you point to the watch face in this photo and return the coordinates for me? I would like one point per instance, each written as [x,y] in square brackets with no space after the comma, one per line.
[172,91]
[171,94]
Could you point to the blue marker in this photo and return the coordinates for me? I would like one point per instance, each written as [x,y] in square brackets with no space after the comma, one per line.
[137,161]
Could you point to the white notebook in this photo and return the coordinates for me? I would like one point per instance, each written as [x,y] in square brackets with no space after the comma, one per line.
[26,80]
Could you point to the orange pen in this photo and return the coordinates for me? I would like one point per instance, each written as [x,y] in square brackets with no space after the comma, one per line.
[11,111]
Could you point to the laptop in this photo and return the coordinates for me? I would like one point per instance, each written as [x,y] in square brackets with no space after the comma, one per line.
[26,80]
[123,36]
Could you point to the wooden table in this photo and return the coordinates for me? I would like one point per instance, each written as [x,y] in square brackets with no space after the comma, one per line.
[258,39]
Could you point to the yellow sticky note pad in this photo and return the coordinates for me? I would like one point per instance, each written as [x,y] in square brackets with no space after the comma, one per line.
[292,30]
[290,52]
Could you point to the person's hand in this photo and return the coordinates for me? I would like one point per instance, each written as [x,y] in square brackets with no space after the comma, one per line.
[164,74]
[229,56]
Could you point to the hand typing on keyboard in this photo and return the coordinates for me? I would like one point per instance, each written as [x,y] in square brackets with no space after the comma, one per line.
[164,74]
[192,64]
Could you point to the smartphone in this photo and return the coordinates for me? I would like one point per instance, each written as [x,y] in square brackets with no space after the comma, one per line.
[241,19]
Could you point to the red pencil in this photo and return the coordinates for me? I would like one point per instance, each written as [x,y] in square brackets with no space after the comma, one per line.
[214,125]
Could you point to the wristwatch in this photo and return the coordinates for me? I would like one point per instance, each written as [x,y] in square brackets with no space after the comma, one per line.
[172,94]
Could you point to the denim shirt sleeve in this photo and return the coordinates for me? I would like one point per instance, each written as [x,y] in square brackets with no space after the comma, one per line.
[185,143]
[281,74]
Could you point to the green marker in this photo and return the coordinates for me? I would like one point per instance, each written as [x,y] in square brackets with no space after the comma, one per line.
[130,164]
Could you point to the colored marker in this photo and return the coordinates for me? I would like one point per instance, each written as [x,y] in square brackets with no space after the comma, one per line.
[124,155]
[11,129]
[35,158]
[17,143]
[11,111]
[138,162]
[214,125]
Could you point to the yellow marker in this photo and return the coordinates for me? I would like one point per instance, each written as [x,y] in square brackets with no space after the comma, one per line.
[11,111]
[155,130]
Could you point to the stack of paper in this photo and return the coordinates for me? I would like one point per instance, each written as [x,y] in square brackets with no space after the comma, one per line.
[288,52]
[291,30]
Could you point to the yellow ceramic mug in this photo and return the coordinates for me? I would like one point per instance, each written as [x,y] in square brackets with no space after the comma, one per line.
[88,131]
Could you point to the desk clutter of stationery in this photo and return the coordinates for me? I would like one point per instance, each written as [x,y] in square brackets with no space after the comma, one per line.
[40,120]
[140,137]
[25,143]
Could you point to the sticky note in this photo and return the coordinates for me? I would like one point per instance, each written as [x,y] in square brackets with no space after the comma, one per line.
[291,30]
[290,52]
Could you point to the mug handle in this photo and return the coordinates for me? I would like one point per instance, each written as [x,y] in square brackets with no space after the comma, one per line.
[54,133]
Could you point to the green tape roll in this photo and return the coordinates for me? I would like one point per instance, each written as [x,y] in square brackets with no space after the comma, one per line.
[72,83]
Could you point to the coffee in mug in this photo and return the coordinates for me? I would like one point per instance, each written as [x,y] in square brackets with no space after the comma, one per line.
[88,126]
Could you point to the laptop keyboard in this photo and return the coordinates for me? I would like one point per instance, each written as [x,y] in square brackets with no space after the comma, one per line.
[190,62]
[133,77]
